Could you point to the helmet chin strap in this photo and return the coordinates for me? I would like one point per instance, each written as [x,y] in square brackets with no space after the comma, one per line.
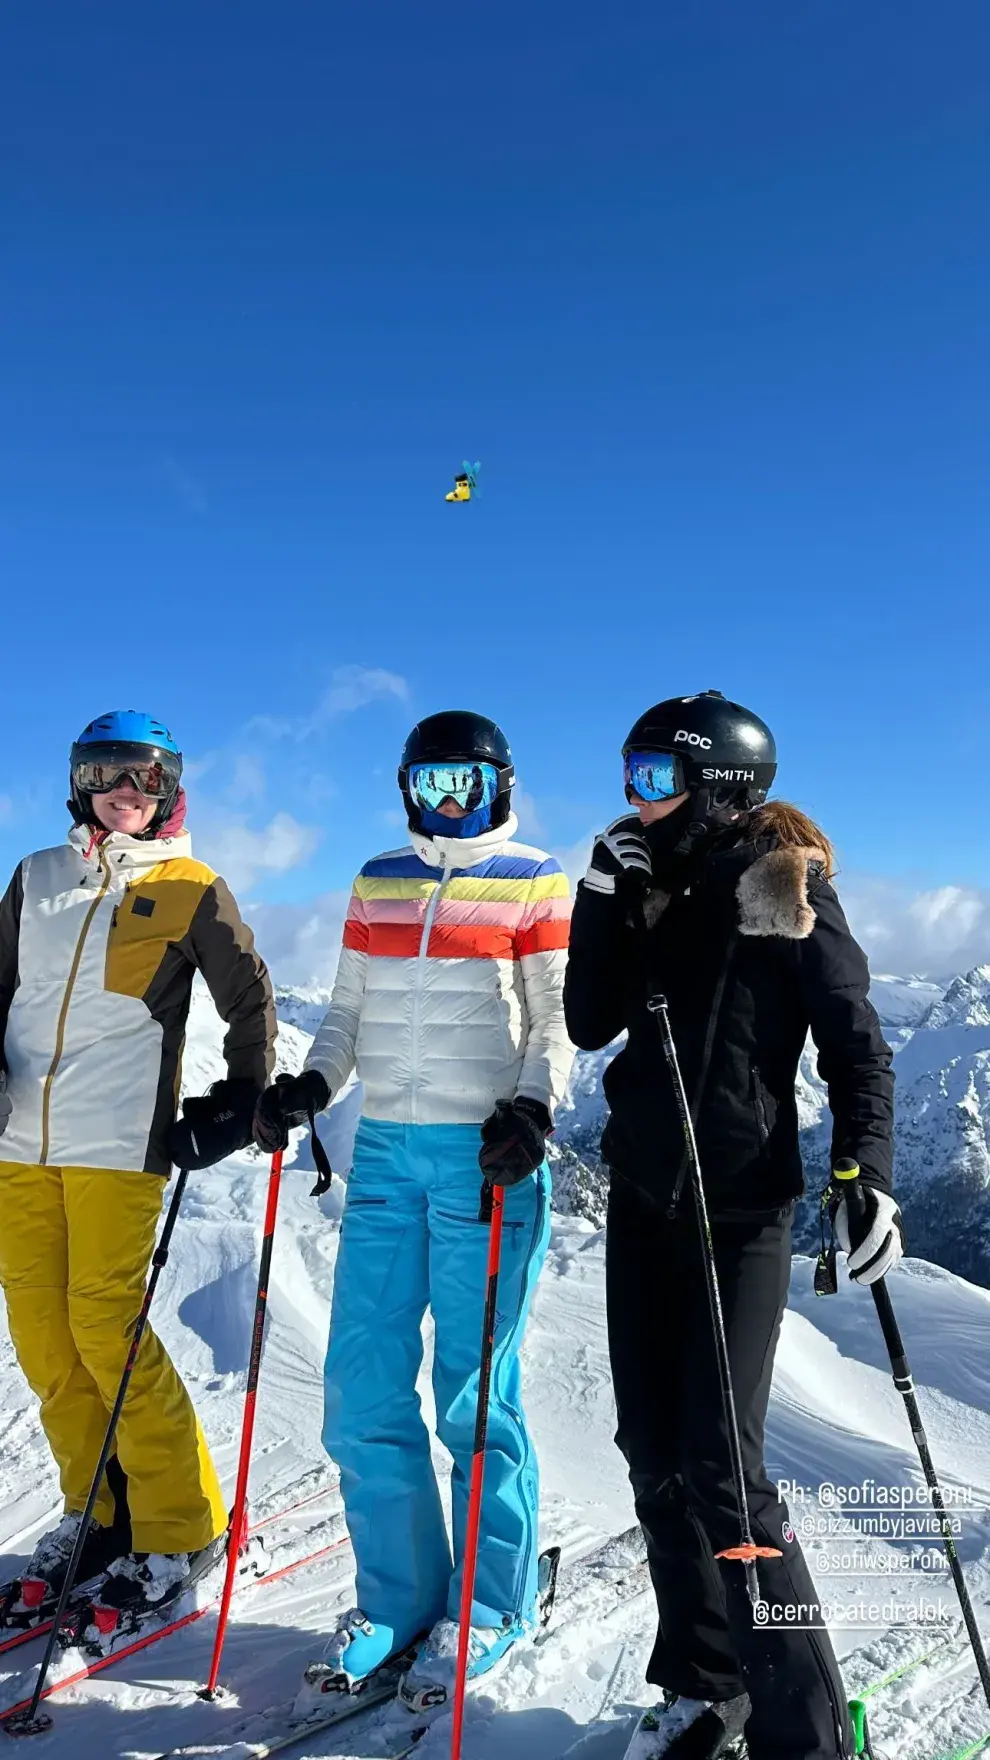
[708,814]
[699,824]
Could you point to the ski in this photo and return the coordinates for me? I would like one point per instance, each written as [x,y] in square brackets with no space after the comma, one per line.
[141,1641]
[621,1560]
[40,1628]
[379,1690]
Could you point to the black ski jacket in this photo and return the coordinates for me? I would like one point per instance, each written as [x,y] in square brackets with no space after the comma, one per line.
[750,955]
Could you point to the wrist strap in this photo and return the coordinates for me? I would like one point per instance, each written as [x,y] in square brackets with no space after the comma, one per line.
[323,1169]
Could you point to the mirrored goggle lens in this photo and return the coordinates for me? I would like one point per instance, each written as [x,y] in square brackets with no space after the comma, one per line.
[470,785]
[653,776]
[95,775]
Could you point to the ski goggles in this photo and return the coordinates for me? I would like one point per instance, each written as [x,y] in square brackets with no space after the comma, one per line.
[103,767]
[653,776]
[470,785]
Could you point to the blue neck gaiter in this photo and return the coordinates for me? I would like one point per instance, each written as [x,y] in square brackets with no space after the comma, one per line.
[472,825]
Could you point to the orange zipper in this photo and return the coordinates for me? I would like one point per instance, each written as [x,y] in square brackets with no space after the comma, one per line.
[64,1010]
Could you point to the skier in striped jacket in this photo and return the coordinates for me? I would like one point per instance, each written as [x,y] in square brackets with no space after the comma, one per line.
[448,1000]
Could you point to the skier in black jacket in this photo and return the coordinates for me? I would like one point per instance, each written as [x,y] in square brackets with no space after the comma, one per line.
[722,903]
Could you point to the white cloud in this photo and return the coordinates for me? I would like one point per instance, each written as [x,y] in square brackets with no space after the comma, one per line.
[243,854]
[301,942]
[933,933]
[527,812]
[247,782]
[350,688]
[575,858]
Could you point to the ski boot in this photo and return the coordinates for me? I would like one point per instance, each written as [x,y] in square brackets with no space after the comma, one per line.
[143,1586]
[360,1658]
[32,1597]
[691,1729]
[429,1682]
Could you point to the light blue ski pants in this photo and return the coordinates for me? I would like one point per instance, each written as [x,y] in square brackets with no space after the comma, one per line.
[411,1239]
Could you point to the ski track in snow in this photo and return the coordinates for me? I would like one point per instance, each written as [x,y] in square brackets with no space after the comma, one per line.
[834,1416]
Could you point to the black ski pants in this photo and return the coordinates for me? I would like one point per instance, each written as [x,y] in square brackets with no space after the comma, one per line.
[672,1432]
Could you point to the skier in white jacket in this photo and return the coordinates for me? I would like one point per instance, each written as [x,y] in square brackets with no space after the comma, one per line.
[448,999]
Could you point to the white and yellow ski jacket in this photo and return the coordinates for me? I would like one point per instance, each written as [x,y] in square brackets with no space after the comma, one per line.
[99,944]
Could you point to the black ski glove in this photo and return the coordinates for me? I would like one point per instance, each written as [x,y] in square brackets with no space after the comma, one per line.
[215,1125]
[514,1141]
[620,857]
[287,1104]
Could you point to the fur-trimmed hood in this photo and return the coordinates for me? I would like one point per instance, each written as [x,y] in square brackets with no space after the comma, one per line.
[773,893]
[772,889]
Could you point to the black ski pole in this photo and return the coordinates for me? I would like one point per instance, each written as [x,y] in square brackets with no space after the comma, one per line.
[32,1722]
[848,1173]
[747,1552]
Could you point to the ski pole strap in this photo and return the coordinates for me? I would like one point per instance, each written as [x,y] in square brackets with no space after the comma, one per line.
[324,1172]
[487,1201]
[843,1184]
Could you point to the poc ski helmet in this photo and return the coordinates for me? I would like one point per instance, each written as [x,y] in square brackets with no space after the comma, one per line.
[724,755]
[458,735]
[108,748]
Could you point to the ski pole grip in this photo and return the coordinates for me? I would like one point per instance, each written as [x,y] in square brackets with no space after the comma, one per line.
[846,1173]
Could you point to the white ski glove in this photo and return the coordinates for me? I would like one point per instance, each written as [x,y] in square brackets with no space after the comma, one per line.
[620,851]
[879,1236]
[5,1104]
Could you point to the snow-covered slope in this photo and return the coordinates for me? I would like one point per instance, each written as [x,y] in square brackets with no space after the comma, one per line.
[835,1417]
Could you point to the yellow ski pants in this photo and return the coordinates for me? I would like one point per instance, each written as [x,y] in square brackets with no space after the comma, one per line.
[75,1247]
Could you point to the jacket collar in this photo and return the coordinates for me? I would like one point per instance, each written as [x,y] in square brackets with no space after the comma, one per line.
[760,886]
[464,852]
[133,855]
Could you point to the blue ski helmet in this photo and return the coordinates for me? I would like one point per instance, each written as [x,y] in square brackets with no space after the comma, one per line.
[114,741]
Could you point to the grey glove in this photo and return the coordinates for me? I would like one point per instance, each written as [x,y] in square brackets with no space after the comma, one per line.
[5,1106]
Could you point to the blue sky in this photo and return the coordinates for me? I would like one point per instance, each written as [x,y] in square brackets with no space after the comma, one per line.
[705,289]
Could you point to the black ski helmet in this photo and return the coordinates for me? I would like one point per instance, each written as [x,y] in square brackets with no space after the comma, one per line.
[458,733]
[726,754]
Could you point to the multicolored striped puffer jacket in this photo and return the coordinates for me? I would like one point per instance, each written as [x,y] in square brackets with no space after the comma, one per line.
[449,992]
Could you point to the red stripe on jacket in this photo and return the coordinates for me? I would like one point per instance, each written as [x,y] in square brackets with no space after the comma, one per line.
[454,940]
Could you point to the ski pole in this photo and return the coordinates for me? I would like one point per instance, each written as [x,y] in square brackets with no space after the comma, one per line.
[492,1198]
[238,1518]
[848,1173]
[747,1552]
[32,1722]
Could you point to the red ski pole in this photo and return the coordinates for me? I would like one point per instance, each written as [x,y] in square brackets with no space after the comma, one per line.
[491,1198]
[238,1519]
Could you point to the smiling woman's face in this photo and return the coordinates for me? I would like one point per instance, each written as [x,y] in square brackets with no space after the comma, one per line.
[124,808]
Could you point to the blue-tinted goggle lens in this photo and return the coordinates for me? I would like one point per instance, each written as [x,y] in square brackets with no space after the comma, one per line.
[470,785]
[653,776]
